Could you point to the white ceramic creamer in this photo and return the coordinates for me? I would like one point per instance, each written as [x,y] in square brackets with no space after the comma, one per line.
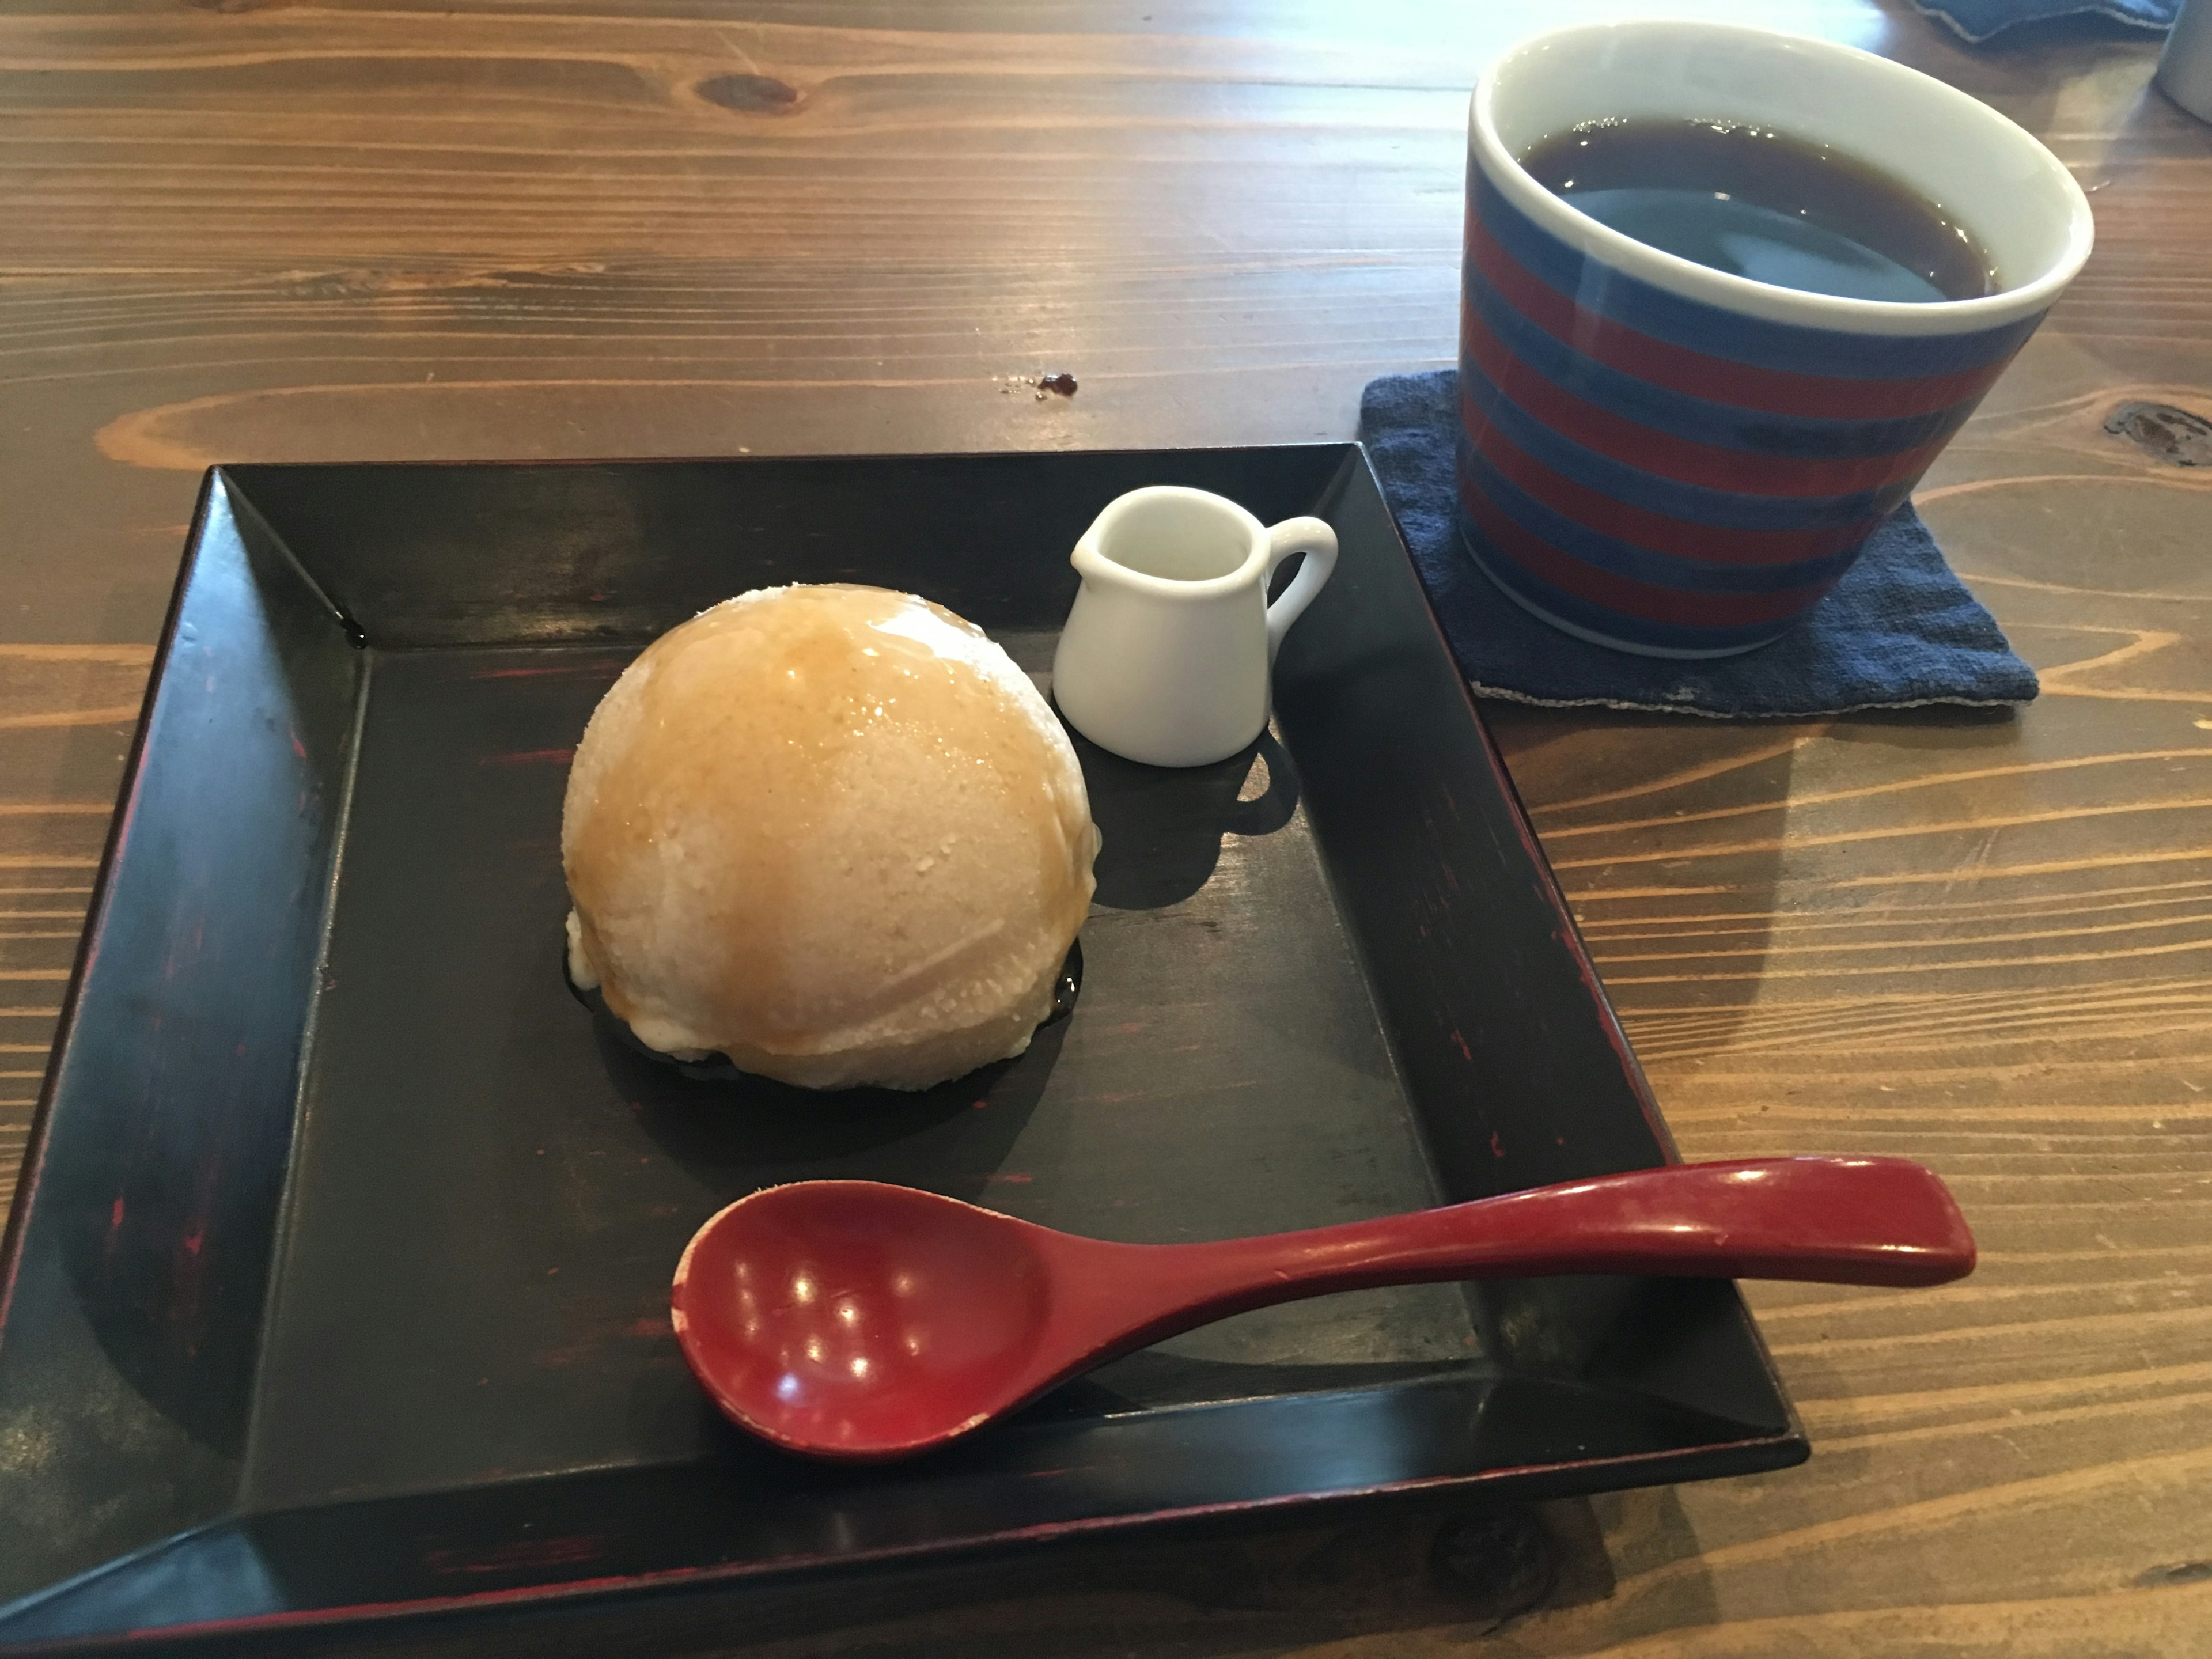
[1165,657]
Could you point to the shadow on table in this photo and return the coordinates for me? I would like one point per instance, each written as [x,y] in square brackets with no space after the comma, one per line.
[1670,851]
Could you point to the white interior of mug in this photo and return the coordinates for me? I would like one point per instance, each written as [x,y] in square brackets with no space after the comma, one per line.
[1988,174]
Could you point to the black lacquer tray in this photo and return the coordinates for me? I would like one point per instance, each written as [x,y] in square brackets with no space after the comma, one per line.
[336,1291]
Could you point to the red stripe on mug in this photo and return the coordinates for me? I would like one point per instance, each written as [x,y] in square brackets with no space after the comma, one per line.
[1683,460]
[1685,538]
[1624,594]
[1679,368]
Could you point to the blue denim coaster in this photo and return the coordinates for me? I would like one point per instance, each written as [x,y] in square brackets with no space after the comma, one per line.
[1897,632]
[1976,20]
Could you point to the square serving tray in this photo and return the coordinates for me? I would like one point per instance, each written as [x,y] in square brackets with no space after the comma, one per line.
[338,1289]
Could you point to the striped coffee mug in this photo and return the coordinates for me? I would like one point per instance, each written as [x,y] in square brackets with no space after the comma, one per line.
[1677,461]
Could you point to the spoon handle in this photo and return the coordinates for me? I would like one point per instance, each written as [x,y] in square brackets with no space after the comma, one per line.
[1841,1220]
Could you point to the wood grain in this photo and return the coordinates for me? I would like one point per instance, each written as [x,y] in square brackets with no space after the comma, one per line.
[260,231]
[66,713]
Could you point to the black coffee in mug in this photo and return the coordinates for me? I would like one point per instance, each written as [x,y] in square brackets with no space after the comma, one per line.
[1760,203]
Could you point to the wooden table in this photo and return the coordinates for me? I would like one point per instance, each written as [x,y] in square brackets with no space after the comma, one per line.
[237,229]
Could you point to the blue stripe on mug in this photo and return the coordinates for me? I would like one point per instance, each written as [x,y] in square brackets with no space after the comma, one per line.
[1682,537]
[1791,436]
[1728,509]
[1642,564]
[1595,622]
[1686,460]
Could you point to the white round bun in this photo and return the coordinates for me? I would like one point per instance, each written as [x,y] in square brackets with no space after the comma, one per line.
[832,833]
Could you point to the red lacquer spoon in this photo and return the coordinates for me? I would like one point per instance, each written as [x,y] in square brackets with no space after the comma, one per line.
[856,1321]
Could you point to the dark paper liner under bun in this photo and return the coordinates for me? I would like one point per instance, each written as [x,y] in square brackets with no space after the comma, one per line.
[718,1068]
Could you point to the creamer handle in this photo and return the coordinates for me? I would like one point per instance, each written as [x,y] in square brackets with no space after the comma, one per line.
[1314,538]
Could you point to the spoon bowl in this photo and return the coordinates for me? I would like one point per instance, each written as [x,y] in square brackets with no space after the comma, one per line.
[844,1314]
[857,1321]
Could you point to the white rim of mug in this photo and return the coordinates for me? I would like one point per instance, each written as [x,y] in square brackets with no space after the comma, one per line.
[1198,588]
[1730,292]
